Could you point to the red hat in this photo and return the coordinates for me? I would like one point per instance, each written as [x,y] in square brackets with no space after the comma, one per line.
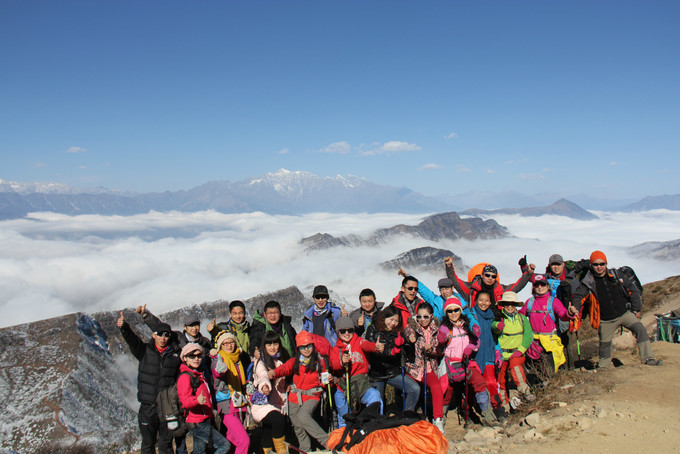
[597,255]
[304,338]
[453,301]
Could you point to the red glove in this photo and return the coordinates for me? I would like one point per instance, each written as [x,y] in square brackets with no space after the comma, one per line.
[395,351]
[516,354]
[442,336]
[500,326]
[399,341]
[499,359]
[467,352]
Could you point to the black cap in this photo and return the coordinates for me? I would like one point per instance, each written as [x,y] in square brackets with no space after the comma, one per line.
[320,290]
[163,328]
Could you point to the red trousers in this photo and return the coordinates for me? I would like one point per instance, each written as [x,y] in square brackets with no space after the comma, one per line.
[516,368]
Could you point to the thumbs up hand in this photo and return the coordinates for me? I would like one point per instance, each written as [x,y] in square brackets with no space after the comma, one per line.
[120,321]
[211,325]
[379,346]
[141,310]
[343,311]
[202,398]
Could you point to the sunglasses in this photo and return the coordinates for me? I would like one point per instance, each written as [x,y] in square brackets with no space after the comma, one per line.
[492,276]
[600,264]
[423,317]
[321,297]
[305,347]
[540,284]
[346,331]
[194,356]
[412,288]
[163,334]
[451,311]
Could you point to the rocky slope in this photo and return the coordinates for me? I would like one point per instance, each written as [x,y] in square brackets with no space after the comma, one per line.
[423,259]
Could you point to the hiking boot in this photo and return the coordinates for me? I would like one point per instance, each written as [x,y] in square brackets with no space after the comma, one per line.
[515,402]
[529,397]
[653,362]
[501,415]
[439,423]
[489,418]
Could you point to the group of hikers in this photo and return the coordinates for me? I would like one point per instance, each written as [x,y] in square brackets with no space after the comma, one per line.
[475,345]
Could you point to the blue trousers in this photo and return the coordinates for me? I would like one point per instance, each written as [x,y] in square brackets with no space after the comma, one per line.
[412,389]
[201,435]
[370,396]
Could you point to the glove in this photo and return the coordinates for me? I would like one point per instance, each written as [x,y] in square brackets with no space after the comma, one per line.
[467,351]
[442,336]
[522,262]
[221,366]
[395,351]
[500,326]
[516,354]
[499,359]
[399,341]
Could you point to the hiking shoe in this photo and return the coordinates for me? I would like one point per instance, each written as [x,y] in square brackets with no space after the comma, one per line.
[653,362]
[515,402]
[501,414]
[439,423]
[489,418]
[529,397]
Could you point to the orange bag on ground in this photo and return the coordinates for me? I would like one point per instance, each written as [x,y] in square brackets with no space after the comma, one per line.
[421,437]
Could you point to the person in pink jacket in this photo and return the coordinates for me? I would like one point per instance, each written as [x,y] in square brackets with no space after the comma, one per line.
[543,312]
[269,401]
[197,401]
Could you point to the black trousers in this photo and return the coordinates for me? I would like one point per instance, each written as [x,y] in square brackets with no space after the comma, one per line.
[155,432]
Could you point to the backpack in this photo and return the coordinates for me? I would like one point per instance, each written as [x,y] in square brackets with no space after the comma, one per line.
[170,408]
[360,425]
[626,273]
[549,309]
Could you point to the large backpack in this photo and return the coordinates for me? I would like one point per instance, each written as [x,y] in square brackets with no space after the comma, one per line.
[169,407]
[626,273]
[549,308]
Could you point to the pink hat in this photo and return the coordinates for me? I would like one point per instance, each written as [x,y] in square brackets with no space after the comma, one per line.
[453,301]
[188,348]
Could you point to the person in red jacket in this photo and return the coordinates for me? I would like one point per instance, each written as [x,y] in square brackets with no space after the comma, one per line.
[197,401]
[407,301]
[488,281]
[348,359]
[310,376]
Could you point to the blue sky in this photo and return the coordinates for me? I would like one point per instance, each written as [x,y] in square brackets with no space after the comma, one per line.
[441,97]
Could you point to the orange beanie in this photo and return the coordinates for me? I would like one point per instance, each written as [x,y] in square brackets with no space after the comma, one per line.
[597,255]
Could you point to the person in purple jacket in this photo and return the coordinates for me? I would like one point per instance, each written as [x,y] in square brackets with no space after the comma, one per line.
[543,312]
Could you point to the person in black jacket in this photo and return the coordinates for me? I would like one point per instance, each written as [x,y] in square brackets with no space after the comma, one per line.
[272,320]
[159,363]
[386,367]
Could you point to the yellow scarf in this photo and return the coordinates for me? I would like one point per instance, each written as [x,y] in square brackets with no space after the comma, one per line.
[235,377]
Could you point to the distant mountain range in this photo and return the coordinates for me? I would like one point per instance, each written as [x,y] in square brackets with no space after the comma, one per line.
[282,192]
[423,259]
[436,227]
[659,250]
[562,207]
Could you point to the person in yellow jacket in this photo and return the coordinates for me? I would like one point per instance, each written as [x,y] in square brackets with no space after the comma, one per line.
[514,337]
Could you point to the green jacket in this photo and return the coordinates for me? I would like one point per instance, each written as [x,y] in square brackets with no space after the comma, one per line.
[516,334]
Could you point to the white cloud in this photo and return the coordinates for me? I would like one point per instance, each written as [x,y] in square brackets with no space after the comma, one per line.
[393,146]
[490,171]
[284,151]
[462,168]
[82,167]
[453,135]
[53,264]
[76,150]
[431,167]
[337,148]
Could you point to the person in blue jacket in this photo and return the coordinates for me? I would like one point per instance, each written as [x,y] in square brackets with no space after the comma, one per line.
[437,301]
[320,317]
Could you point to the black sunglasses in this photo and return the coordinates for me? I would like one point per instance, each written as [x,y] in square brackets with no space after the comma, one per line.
[345,331]
[412,288]
[163,334]
[194,356]
[451,311]
[493,276]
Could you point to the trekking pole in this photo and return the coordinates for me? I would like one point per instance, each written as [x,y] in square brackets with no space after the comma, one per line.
[425,387]
[578,346]
[347,393]
[403,382]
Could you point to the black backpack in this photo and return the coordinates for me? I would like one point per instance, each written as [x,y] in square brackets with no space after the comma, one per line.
[625,275]
[169,407]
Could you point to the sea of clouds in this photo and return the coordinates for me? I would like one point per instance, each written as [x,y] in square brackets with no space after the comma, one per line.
[53,264]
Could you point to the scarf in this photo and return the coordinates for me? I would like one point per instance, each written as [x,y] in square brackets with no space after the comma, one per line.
[486,354]
[240,331]
[235,377]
